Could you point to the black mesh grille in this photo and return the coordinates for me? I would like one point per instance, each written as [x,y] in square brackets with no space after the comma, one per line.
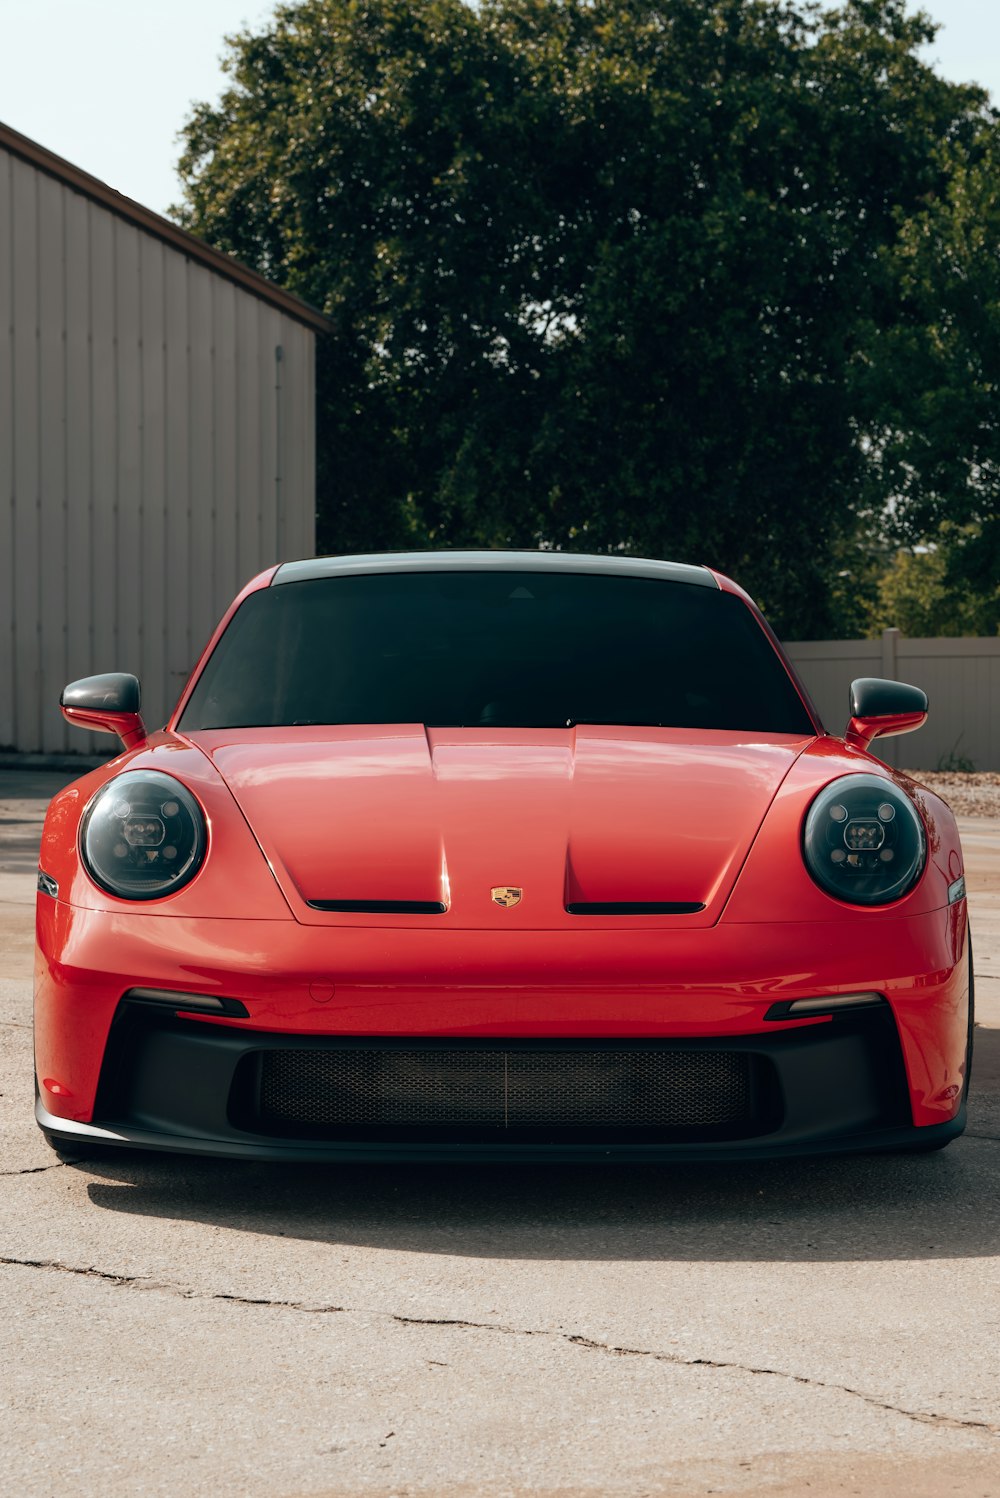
[501,1088]
[634,907]
[381,907]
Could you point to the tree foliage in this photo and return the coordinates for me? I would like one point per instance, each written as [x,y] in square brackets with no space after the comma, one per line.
[923,591]
[605,274]
[935,373]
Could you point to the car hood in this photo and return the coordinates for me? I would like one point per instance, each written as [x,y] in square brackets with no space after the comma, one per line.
[398,817]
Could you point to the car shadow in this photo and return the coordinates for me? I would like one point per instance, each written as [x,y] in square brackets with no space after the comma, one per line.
[843,1208]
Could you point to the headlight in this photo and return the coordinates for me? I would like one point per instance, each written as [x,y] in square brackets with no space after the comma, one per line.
[142,836]
[864,841]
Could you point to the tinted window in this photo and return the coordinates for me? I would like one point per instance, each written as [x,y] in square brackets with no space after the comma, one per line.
[495,649]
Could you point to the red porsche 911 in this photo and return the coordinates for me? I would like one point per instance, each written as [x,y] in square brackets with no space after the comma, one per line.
[499,855]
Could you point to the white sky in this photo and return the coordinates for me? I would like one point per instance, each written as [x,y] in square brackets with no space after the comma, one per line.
[109,83]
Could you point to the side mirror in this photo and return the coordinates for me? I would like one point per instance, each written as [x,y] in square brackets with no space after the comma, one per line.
[883,707]
[108,703]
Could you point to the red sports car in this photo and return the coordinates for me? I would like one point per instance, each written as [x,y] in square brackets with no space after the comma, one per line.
[499,855]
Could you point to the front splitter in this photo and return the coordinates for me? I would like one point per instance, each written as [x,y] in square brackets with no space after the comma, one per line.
[64,1133]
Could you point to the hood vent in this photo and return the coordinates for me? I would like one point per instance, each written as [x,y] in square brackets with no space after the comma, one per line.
[635,907]
[381,907]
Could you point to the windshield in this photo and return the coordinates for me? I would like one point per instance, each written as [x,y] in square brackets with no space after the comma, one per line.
[495,649]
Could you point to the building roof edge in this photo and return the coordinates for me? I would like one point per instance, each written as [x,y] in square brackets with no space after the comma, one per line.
[154,223]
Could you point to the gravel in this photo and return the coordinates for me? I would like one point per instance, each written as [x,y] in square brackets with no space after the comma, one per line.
[969,794]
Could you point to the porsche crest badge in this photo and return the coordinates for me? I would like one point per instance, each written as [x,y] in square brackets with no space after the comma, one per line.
[506,895]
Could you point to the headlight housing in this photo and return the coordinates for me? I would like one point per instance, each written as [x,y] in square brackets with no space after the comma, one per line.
[864,841]
[142,836]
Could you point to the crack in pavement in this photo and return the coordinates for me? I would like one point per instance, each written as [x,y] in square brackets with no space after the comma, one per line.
[922,1417]
[572,1339]
[142,1282]
[34,1170]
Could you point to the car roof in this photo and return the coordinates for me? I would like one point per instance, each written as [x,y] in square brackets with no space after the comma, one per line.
[312,568]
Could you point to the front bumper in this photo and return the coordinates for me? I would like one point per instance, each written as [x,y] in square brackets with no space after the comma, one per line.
[841,1087]
[172,1082]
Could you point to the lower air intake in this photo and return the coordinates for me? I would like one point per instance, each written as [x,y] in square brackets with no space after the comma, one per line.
[489,1088]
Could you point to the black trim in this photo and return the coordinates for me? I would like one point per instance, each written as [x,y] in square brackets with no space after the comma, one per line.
[381,907]
[907,1137]
[784,1009]
[634,907]
[827,1085]
[177,999]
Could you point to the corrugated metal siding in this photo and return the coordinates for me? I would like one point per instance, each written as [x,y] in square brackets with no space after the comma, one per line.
[156,450]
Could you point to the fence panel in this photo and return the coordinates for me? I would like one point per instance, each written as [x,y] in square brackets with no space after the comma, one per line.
[960,676]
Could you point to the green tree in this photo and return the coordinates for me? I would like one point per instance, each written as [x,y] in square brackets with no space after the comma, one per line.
[934,375]
[923,592]
[605,274]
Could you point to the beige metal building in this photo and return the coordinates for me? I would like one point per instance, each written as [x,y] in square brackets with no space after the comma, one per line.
[156,441]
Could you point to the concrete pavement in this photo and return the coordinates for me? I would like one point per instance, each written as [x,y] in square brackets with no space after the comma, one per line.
[196,1327]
